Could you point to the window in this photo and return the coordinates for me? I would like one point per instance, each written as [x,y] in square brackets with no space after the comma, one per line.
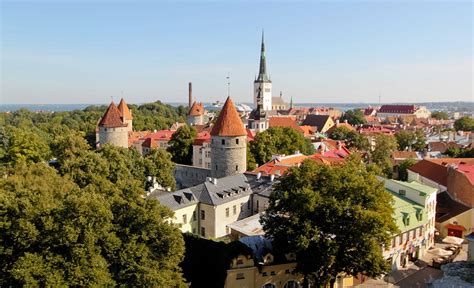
[194,215]
[400,240]
[203,215]
[226,212]
[414,234]
[185,219]
[237,141]
[223,141]
[216,167]
[227,230]
[194,230]
[287,271]
[408,221]
[272,273]
[269,285]
[240,262]
[240,276]
[264,274]
[402,192]
[203,232]
[248,205]
[234,209]
[236,167]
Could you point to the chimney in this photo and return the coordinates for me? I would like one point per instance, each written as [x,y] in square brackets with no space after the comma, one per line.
[190,95]
[338,145]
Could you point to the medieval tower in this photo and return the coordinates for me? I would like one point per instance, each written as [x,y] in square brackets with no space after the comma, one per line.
[112,129]
[263,85]
[126,114]
[228,143]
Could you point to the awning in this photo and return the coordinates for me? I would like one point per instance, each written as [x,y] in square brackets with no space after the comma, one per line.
[455,227]
[453,240]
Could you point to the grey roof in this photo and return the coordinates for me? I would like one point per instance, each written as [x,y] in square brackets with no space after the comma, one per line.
[224,190]
[174,200]
[316,120]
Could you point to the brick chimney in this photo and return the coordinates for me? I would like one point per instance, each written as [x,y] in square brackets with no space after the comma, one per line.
[190,95]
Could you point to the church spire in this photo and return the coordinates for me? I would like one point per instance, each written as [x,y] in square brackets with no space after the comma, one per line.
[262,74]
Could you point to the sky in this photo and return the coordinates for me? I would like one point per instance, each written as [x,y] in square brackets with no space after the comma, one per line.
[68,52]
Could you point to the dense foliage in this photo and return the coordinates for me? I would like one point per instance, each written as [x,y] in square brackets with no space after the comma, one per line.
[460,152]
[352,139]
[86,221]
[411,140]
[381,152]
[96,232]
[439,115]
[278,140]
[464,124]
[403,168]
[181,145]
[334,218]
[354,117]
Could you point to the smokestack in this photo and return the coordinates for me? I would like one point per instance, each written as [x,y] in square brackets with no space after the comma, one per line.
[190,94]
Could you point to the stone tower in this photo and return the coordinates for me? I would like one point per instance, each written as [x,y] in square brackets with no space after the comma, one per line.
[196,114]
[228,143]
[258,120]
[112,129]
[126,114]
[263,84]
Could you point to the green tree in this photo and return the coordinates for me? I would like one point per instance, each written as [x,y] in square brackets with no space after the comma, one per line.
[456,152]
[403,167]
[439,115]
[411,140]
[352,139]
[335,219]
[158,164]
[354,117]
[279,140]
[465,123]
[55,233]
[181,145]
[25,146]
[380,155]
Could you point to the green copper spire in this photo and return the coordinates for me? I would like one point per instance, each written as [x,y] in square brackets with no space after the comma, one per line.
[262,74]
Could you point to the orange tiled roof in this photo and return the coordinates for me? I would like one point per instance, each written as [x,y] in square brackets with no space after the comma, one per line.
[197,109]
[229,122]
[284,121]
[149,143]
[307,130]
[436,170]
[112,117]
[124,111]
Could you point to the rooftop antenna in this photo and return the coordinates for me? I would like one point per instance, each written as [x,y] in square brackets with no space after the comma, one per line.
[228,84]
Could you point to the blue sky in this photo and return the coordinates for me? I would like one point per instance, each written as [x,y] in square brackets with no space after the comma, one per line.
[334,51]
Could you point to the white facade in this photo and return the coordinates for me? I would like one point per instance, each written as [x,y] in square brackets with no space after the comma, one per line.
[266,92]
[202,155]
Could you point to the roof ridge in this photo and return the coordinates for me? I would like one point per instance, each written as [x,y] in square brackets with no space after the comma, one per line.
[112,117]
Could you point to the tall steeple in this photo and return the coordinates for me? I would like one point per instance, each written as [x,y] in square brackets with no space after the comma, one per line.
[262,74]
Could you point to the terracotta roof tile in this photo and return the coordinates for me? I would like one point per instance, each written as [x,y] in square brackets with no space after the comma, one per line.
[112,117]
[284,121]
[436,170]
[405,109]
[197,109]
[124,111]
[229,122]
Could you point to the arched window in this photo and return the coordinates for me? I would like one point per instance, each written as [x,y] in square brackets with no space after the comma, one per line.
[292,284]
[269,285]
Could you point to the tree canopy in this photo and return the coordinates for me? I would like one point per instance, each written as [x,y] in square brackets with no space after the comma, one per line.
[380,154]
[334,218]
[411,140]
[181,145]
[56,233]
[439,115]
[354,117]
[465,123]
[278,140]
[352,139]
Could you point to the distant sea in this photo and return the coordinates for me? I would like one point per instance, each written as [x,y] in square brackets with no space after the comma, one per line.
[453,106]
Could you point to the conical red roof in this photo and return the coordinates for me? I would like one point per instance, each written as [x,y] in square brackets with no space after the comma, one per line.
[124,111]
[229,122]
[112,117]
[197,109]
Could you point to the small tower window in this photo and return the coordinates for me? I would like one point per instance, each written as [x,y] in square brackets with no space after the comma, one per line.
[236,167]
[216,167]
[237,141]
[223,141]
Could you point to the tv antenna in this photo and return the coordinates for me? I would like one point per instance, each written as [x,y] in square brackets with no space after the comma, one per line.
[228,84]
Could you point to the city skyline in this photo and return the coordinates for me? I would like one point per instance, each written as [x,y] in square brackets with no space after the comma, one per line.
[352,52]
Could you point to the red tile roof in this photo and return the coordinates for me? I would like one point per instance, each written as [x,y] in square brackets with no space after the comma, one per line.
[112,117]
[284,121]
[197,109]
[202,137]
[468,170]
[404,109]
[228,123]
[436,169]
[376,130]
[124,111]
[442,146]
[162,135]
[149,143]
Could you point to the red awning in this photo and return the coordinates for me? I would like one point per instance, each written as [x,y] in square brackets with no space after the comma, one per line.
[455,227]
